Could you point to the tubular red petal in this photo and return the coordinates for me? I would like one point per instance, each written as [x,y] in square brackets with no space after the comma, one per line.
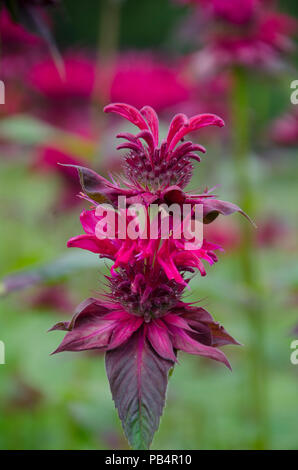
[152,119]
[178,122]
[129,146]
[148,137]
[194,123]
[128,112]
[89,220]
[86,242]
[93,244]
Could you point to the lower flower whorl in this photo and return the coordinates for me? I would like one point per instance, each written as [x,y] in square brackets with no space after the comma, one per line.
[148,295]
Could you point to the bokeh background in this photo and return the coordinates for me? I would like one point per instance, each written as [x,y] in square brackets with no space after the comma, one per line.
[146,52]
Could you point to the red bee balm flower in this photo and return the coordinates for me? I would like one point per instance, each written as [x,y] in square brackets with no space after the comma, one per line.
[156,173]
[141,328]
[171,255]
[141,322]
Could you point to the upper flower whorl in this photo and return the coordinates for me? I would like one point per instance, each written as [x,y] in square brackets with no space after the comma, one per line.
[153,166]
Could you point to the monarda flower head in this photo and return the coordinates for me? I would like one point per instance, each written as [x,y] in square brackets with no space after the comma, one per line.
[141,325]
[142,321]
[172,255]
[156,171]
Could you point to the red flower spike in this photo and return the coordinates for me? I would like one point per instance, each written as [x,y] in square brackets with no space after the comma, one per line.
[141,322]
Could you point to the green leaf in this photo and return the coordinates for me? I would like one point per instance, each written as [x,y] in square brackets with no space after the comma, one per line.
[61,267]
[26,130]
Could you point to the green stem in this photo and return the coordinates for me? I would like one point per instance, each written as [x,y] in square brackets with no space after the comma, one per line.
[107,48]
[254,307]
[108,39]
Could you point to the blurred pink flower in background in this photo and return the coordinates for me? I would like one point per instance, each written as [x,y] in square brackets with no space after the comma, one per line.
[239,12]
[224,233]
[19,48]
[13,35]
[274,231]
[66,95]
[76,81]
[250,33]
[51,159]
[52,297]
[140,79]
[48,160]
[271,232]
[206,94]
[284,130]
[23,396]
[236,11]
[16,100]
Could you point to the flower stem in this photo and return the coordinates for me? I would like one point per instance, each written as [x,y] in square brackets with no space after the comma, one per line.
[254,307]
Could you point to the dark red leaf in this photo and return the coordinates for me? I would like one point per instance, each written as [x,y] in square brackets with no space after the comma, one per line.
[214,207]
[138,379]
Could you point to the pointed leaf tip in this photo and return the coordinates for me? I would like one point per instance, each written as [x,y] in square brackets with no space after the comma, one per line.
[138,379]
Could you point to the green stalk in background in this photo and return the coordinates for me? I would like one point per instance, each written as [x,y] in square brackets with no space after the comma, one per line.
[254,307]
[108,39]
[107,49]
